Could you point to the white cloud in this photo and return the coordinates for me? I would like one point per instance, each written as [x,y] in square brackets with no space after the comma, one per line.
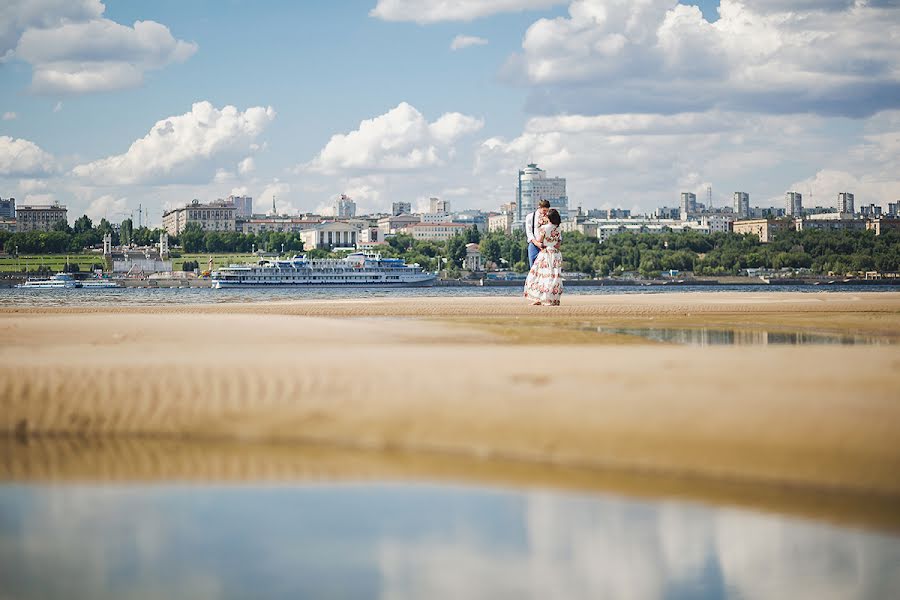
[465,41]
[182,148]
[280,191]
[247,166]
[400,139]
[612,56]
[107,207]
[23,158]
[434,11]
[73,50]
[58,106]
[10,116]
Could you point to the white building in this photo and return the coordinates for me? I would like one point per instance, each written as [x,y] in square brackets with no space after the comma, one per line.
[845,203]
[717,222]
[438,206]
[215,216]
[688,205]
[473,258]
[609,227]
[793,204]
[396,224]
[502,222]
[329,235]
[344,207]
[258,225]
[534,186]
[435,232]
[742,205]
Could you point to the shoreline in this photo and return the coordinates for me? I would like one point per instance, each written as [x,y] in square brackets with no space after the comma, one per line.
[484,379]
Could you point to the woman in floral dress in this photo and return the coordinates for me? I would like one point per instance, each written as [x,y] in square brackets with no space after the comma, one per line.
[544,282]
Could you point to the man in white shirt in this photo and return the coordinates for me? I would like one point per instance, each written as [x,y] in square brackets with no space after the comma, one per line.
[531,227]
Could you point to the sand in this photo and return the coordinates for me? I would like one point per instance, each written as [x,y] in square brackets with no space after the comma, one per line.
[482,379]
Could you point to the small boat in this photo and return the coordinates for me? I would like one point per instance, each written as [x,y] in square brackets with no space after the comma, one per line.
[57,282]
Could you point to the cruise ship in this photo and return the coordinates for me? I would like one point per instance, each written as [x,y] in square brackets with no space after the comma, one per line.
[356,270]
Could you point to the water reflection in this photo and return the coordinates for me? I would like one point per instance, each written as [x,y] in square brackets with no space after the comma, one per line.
[745,337]
[416,541]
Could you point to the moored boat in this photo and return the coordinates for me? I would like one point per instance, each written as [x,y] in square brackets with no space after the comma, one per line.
[57,282]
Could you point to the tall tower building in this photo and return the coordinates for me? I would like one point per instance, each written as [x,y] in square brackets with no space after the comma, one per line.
[793,204]
[344,207]
[534,186]
[845,202]
[688,205]
[8,208]
[438,206]
[243,205]
[742,205]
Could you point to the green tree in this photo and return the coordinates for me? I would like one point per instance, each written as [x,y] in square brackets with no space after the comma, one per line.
[83,224]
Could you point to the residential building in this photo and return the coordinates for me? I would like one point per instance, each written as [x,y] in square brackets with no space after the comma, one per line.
[401,208]
[872,211]
[845,203]
[765,229]
[344,207]
[436,206]
[214,216]
[243,206]
[770,212]
[258,225]
[397,223]
[688,205]
[40,217]
[717,222]
[742,205]
[893,209]
[502,222]
[435,232]
[829,221]
[330,235]
[8,208]
[793,204]
[881,224]
[7,224]
[663,212]
[607,228]
[508,208]
[534,186]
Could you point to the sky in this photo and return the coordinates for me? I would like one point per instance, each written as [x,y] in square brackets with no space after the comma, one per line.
[108,106]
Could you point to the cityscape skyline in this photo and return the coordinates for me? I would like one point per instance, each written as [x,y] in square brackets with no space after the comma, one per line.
[146,118]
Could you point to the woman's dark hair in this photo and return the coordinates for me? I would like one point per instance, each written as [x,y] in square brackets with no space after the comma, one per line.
[553,215]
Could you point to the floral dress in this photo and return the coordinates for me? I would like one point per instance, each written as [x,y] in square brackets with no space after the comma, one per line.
[544,282]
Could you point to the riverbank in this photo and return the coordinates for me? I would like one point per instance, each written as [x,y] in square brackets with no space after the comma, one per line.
[485,378]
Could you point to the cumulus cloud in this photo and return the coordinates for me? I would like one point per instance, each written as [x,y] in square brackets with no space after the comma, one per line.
[23,158]
[73,49]
[10,116]
[399,139]
[182,148]
[107,207]
[434,11]
[465,41]
[659,56]
[246,166]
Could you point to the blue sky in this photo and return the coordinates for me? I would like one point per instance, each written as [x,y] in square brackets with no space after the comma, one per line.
[632,102]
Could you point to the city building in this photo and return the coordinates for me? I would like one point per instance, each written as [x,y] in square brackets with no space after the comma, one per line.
[502,222]
[436,206]
[330,235]
[258,225]
[845,203]
[243,206]
[344,207]
[765,229]
[397,223]
[770,212]
[40,217]
[8,208]
[793,204]
[401,208]
[472,261]
[435,232]
[688,205]
[607,228]
[742,205]
[663,212]
[508,208]
[830,220]
[881,224]
[871,211]
[534,186]
[893,209]
[214,216]
[7,224]
[717,222]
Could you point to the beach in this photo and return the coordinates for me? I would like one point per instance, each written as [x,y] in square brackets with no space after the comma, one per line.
[485,379]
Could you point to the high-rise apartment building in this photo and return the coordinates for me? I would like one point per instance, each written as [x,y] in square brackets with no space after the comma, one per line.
[344,207]
[793,204]
[401,208]
[534,186]
[742,205]
[39,218]
[8,208]
[243,206]
[845,203]
[438,206]
[688,205]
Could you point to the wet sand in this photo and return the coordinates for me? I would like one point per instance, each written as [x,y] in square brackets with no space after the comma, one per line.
[486,379]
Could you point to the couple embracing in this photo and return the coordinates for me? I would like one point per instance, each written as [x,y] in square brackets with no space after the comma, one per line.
[544,283]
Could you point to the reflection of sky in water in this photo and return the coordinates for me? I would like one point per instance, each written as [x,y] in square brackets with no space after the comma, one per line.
[417,542]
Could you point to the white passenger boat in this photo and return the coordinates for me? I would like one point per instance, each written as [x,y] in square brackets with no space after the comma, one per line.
[57,282]
[357,270]
[98,284]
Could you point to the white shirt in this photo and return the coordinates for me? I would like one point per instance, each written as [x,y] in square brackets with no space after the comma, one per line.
[529,227]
